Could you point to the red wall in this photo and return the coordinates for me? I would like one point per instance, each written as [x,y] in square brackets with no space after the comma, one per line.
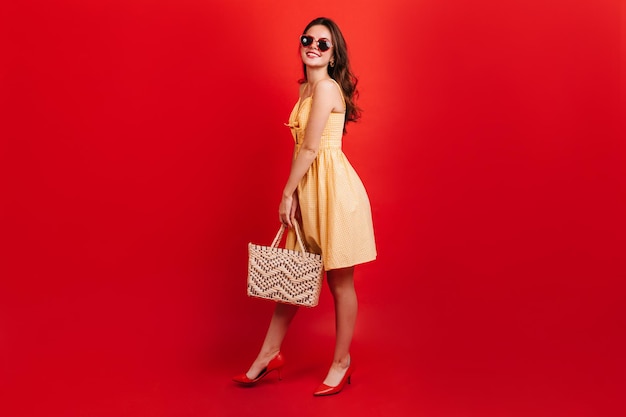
[143,146]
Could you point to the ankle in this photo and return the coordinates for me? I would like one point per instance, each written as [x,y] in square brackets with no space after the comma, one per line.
[342,363]
[268,355]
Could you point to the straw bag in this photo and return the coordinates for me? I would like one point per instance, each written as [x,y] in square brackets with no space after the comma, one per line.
[284,275]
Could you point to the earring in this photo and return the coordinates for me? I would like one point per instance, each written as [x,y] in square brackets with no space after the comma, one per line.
[332,62]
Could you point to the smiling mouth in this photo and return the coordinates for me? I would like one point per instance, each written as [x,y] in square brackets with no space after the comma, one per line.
[312,54]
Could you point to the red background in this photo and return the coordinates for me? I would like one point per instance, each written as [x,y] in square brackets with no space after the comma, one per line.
[142,148]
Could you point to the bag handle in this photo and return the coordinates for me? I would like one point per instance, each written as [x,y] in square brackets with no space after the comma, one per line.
[279,235]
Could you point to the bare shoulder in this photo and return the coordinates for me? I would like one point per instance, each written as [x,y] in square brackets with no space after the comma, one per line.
[328,93]
[326,88]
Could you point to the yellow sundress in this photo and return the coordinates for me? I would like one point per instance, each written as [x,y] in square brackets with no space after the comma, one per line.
[335,208]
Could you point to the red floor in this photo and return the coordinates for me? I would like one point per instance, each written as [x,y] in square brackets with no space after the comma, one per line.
[171,358]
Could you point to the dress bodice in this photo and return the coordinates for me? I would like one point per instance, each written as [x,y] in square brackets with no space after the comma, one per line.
[333,131]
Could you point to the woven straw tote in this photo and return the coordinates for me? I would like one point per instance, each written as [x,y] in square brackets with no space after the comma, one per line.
[284,275]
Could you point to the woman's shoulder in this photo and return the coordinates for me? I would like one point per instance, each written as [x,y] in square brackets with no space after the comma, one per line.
[327,87]
[327,84]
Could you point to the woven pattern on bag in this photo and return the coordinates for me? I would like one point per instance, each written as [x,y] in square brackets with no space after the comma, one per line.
[284,275]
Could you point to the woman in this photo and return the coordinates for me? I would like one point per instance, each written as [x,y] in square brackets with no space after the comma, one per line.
[326,194]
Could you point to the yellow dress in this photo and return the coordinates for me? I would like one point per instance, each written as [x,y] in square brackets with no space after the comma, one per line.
[335,208]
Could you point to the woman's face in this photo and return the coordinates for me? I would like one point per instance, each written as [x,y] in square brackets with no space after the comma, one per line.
[311,54]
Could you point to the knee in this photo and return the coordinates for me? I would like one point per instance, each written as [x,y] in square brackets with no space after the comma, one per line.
[341,282]
[341,289]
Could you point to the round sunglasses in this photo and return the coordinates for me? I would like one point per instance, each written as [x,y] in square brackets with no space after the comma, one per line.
[323,44]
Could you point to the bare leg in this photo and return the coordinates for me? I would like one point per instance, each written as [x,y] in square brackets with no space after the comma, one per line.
[283,314]
[341,284]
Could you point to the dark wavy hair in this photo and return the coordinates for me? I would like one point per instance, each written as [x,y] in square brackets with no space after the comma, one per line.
[341,72]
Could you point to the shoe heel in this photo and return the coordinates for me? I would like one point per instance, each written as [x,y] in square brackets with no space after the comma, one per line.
[280,378]
[349,381]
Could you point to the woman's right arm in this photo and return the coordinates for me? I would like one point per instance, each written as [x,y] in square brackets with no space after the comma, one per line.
[324,98]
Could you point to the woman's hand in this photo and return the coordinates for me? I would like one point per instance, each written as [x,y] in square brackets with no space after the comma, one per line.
[294,208]
[287,209]
[284,210]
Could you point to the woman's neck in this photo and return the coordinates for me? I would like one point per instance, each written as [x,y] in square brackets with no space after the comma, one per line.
[313,75]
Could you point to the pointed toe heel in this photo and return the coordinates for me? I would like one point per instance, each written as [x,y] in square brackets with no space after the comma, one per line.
[324,390]
[275,364]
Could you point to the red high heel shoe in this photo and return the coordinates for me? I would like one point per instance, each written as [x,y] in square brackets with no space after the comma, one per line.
[324,389]
[275,364]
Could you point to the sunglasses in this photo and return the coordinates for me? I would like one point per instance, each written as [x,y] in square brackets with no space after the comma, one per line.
[323,44]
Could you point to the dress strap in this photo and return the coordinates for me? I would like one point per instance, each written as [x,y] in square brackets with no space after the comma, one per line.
[310,87]
[343,100]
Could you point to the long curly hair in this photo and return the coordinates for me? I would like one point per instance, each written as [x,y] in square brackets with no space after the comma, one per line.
[341,71]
